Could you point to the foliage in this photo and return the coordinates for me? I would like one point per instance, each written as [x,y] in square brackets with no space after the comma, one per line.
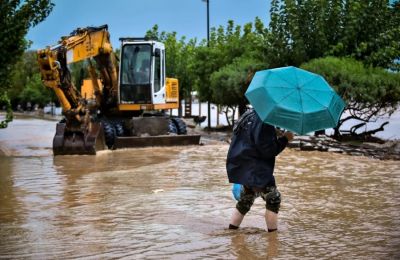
[229,47]
[229,84]
[24,69]
[34,92]
[26,85]
[364,30]
[221,62]
[16,17]
[367,30]
[369,92]
[5,101]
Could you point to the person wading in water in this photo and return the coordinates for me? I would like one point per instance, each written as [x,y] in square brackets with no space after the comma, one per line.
[251,162]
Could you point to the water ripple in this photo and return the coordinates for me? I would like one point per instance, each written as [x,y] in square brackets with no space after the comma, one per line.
[176,202]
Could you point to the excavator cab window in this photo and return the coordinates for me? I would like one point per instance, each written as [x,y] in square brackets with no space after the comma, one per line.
[135,82]
[157,71]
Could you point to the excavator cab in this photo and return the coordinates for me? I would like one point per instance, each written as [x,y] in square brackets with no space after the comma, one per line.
[135,77]
[142,81]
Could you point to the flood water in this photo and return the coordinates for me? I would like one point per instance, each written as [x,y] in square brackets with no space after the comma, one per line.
[175,203]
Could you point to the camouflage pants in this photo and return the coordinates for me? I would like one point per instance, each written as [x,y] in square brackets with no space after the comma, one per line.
[270,195]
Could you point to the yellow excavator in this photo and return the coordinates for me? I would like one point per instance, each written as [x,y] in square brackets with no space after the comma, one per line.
[125,101]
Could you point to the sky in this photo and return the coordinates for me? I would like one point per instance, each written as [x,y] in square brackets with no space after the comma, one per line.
[132,18]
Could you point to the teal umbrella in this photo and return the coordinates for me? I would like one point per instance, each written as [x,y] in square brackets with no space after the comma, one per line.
[294,99]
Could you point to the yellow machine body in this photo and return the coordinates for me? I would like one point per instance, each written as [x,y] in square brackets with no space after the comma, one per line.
[107,109]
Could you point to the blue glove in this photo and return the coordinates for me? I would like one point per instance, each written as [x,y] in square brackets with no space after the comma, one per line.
[236,190]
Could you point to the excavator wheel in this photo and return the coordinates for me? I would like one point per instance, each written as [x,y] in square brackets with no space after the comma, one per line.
[172,127]
[109,134]
[180,126]
[119,128]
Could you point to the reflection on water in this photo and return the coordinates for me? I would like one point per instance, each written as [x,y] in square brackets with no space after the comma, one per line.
[175,202]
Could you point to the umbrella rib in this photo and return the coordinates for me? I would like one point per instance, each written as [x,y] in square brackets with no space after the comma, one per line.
[290,83]
[308,82]
[301,103]
[321,105]
[283,98]
[302,112]
[315,78]
[279,87]
[314,99]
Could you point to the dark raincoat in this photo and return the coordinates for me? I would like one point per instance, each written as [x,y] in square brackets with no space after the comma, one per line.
[251,155]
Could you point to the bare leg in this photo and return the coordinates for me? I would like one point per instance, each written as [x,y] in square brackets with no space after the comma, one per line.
[271,219]
[236,219]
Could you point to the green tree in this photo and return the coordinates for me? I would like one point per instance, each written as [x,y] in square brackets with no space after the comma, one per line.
[364,30]
[369,92]
[35,93]
[194,64]
[16,17]
[367,30]
[24,70]
[25,84]
[5,102]
[229,84]
[227,49]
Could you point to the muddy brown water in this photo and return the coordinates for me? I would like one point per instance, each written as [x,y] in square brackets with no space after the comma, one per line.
[175,203]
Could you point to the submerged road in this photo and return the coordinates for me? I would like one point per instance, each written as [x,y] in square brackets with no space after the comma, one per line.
[175,202]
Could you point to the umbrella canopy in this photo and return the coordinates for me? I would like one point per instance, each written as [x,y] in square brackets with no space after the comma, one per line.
[294,99]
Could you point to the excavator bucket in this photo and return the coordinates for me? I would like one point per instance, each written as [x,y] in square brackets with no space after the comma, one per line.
[68,143]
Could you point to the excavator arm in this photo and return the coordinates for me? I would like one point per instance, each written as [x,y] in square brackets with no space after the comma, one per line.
[82,44]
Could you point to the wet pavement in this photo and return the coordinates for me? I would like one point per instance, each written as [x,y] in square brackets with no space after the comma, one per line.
[175,203]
